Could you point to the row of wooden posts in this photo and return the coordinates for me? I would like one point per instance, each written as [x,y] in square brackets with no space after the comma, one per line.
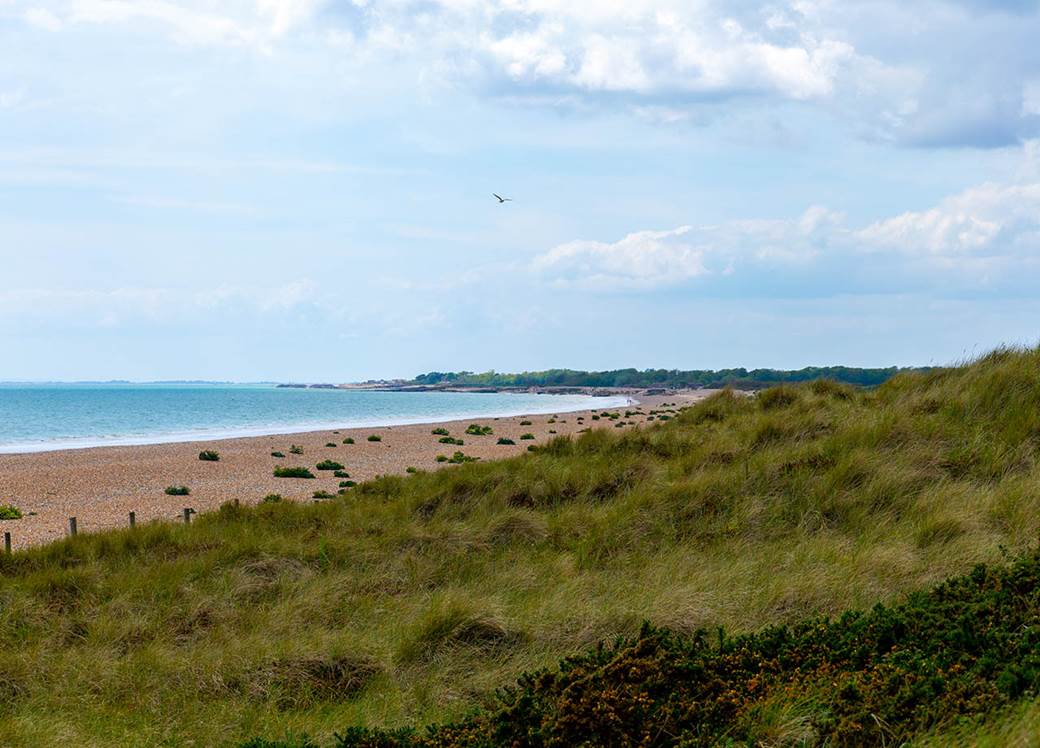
[185,513]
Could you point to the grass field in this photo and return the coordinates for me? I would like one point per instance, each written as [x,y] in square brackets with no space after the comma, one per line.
[413,598]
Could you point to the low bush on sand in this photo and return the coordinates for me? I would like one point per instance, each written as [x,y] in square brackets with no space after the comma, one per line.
[504,440]
[375,438]
[329,465]
[292,472]
[209,455]
[177,491]
[475,429]
[9,511]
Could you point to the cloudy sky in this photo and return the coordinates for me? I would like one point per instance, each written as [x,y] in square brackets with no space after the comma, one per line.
[300,189]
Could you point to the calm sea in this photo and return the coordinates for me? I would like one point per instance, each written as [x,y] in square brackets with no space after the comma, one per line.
[39,417]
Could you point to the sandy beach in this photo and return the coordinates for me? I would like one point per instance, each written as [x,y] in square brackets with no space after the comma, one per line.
[101,486]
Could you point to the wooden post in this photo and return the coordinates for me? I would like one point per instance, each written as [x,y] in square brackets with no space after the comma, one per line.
[7,542]
[187,515]
[72,526]
[133,519]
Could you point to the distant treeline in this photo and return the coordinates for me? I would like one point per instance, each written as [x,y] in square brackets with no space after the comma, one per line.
[670,378]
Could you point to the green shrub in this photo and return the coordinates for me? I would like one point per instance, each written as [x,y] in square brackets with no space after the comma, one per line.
[375,438]
[277,454]
[441,458]
[322,495]
[271,498]
[9,511]
[411,470]
[458,458]
[450,440]
[341,474]
[503,440]
[329,465]
[295,450]
[440,431]
[475,429]
[348,440]
[330,444]
[292,472]
[595,418]
[209,455]
[525,423]
[526,437]
[347,484]
[177,491]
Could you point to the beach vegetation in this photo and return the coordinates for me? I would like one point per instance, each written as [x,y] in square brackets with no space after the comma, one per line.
[10,511]
[459,457]
[526,437]
[525,422]
[271,498]
[450,440]
[476,429]
[341,474]
[208,455]
[411,469]
[504,440]
[330,444]
[295,450]
[292,472]
[177,491]
[278,454]
[375,438]
[440,431]
[322,495]
[329,465]
[349,440]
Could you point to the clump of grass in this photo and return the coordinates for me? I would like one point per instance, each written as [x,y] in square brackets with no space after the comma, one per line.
[410,469]
[292,472]
[10,511]
[329,465]
[347,484]
[322,495]
[440,431]
[451,440]
[375,438]
[441,458]
[295,450]
[451,626]
[526,437]
[278,454]
[341,474]
[330,444]
[349,440]
[208,455]
[525,423]
[459,457]
[475,429]
[177,491]
[504,440]
[271,498]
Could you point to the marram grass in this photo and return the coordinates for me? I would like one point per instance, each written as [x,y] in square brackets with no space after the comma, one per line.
[411,599]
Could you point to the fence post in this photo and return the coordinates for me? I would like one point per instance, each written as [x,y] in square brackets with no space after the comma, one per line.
[133,519]
[187,515]
[7,542]
[72,526]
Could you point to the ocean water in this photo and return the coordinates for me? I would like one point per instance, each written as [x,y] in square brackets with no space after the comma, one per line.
[40,417]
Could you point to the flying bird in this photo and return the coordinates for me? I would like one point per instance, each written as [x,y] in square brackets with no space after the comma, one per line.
[502,199]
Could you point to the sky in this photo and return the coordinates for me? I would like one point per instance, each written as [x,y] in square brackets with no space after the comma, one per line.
[301,189]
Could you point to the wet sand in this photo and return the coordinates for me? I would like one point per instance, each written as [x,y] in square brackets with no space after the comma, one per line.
[100,486]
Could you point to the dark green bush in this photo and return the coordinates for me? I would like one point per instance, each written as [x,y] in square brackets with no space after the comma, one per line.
[329,465]
[330,444]
[271,498]
[375,438]
[441,458]
[292,472]
[475,429]
[411,470]
[209,455]
[450,440]
[503,440]
[348,440]
[341,474]
[459,458]
[277,454]
[177,491]
[295,450]
[525,423]
[526,437]
[440,431]
[322,495]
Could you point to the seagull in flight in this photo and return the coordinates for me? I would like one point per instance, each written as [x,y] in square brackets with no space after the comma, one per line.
[502,199]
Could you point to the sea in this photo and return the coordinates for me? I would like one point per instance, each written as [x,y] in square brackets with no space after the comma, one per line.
[43,417]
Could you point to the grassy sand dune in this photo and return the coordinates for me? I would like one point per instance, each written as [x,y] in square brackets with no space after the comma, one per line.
[412,599]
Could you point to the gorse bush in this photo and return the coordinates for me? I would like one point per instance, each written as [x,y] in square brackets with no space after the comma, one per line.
[209,455]
[292,472]
[177,491]
[967,648]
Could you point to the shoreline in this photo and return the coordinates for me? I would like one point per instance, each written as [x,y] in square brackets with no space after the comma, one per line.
[101,485]
[80,443]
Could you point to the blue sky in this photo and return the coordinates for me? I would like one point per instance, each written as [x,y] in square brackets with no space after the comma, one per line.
[300,189]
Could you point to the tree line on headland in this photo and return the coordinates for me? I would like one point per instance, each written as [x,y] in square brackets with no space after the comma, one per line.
[739,378]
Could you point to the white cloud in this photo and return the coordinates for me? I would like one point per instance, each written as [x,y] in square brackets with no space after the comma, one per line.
[989,229]
[43,19]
